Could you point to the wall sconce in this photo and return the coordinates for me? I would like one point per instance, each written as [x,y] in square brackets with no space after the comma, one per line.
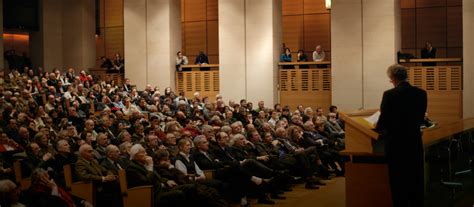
[328,4]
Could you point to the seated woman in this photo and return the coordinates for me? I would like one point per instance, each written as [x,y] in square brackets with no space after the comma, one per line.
[286,57]
[45,192]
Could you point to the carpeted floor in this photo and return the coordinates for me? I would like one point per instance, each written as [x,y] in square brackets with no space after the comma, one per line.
[331,195]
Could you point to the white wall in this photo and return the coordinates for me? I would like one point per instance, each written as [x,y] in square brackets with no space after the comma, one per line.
[468,61]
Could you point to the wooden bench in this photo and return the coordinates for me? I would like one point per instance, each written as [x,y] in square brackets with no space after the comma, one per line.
[138,196]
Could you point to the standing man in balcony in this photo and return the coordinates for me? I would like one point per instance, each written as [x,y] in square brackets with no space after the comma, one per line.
[428,52]
[402,113]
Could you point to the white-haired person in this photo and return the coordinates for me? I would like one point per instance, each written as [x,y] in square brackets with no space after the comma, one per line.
[9,194]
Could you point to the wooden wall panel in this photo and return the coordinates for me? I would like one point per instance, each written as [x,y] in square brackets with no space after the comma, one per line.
[195,37]
[194,10]
[404,4]
[317,31]
[430,3]
[18,42]
[431,26]
[212,38]
[113,41]
[312,7]
[102,13]
[100,46]
[454,2]
[408,28]
[212,10]
[454,26]
[292,7]
[292,27]
[199,24]
[113,13]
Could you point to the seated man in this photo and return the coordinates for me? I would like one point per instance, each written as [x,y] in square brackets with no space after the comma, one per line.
[140,172]
[88,170]
[112,162]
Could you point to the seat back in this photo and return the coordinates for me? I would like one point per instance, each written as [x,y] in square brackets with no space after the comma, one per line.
[137,196]
[84,190]
[24,183]
[209,174]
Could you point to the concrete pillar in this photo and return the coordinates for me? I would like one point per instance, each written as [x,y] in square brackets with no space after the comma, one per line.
[78,25]
[263,47]
[468,61]
[152,36]
[381,23]
[163,41]
[346,54]
[46,45]
[232,56]
[249,46]
[365,38]
[66,37]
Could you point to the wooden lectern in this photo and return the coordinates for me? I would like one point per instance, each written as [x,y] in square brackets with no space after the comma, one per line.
[367,182]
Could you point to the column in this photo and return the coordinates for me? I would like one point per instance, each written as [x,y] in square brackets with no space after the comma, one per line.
[263,47]
[381,32]
[135,41]
[152,37]
[163,41]
[78,24]
[365,37]
[46,45]
[249,45]
[346,57]
[468,62]
[232,57]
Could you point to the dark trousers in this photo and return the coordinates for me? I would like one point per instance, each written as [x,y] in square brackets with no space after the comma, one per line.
[406,174]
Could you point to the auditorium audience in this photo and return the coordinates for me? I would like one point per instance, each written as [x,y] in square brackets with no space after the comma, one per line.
[159,139]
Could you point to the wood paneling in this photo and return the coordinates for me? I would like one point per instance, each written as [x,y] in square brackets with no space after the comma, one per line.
[405,4]
[113,41]
[18,42]
[443,85]
[454,26]
[305,24]
[113,13]
[293,32]
[212,38]
[430,3]
[312,7]
[204,82]
[212,10]
[194,10]
[195,37]
[309,87]
[292,7]
[317,31]
[408,28]
[199,22]
[431,26]
[454,2]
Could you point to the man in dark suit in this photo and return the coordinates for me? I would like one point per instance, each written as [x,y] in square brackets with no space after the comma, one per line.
[402,113]
[112,162]
[428,52]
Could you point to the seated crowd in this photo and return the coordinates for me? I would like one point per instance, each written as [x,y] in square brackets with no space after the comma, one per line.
[170,142]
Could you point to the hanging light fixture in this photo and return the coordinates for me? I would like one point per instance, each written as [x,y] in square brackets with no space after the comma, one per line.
[328,4]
